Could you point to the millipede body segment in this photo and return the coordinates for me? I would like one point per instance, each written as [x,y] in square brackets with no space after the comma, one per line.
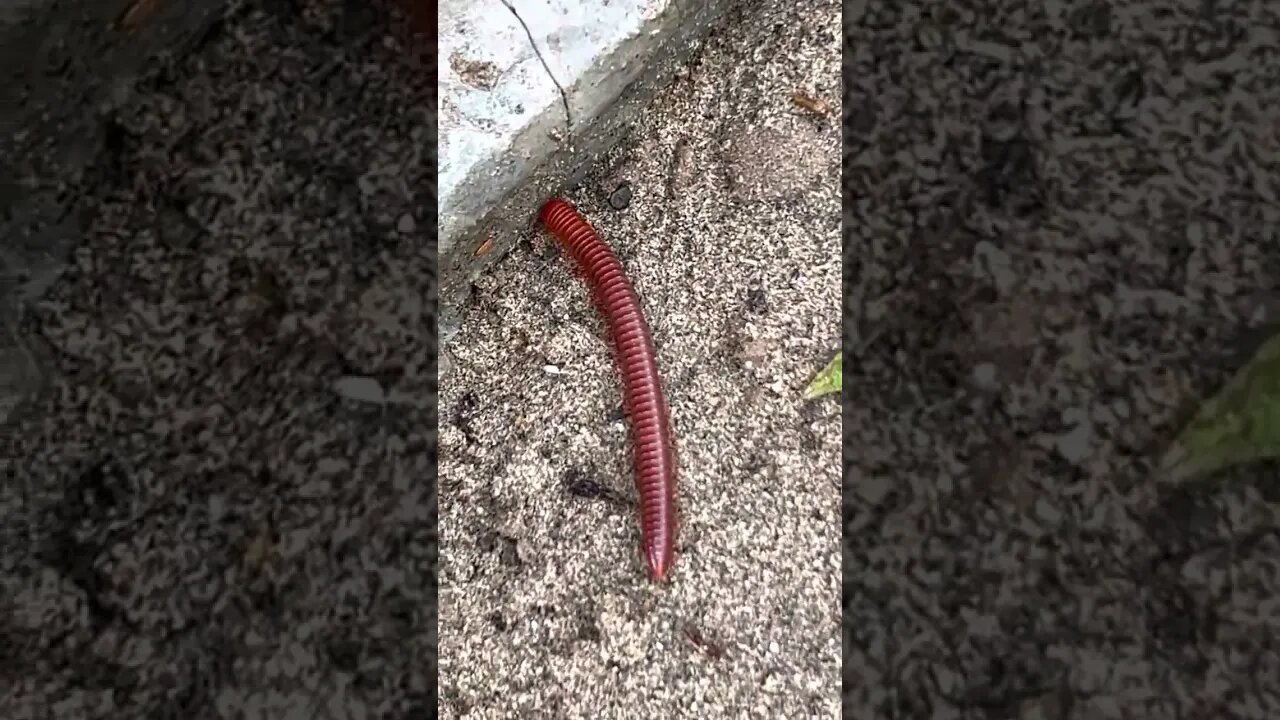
[652,443]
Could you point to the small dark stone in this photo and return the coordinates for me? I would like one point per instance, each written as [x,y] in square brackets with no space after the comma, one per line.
[464,413]
[505,547]
[620,198]
[344,654]
[589,630]
[508,555]
[578,483]
[756,301]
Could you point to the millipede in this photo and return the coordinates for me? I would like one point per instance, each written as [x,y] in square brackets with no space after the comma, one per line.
[653,446]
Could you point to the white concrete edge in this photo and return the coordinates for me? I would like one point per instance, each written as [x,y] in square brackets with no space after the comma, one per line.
[494,135]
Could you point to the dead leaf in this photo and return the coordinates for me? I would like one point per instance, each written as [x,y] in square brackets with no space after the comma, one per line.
[812,104]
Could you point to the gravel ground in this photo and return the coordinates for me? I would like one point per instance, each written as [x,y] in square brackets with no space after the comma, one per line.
[1061,228]
[194,524]
[730,236]
[1054,242]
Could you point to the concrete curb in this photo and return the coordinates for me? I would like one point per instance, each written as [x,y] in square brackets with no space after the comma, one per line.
[67,64]
[532,92]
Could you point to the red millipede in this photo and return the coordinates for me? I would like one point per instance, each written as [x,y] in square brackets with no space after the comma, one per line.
[652,444]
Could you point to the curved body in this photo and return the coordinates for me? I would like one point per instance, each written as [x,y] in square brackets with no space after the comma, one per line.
[652,442]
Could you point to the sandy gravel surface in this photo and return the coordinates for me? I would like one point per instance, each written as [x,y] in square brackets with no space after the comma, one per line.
[730,236]
[1061,231]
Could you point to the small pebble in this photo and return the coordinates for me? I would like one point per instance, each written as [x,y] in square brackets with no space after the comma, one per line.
[620,199]
[406,224]
[364,389]
[984,376]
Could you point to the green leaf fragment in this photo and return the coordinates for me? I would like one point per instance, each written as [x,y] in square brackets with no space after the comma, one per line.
[1238,425]
[826,382]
